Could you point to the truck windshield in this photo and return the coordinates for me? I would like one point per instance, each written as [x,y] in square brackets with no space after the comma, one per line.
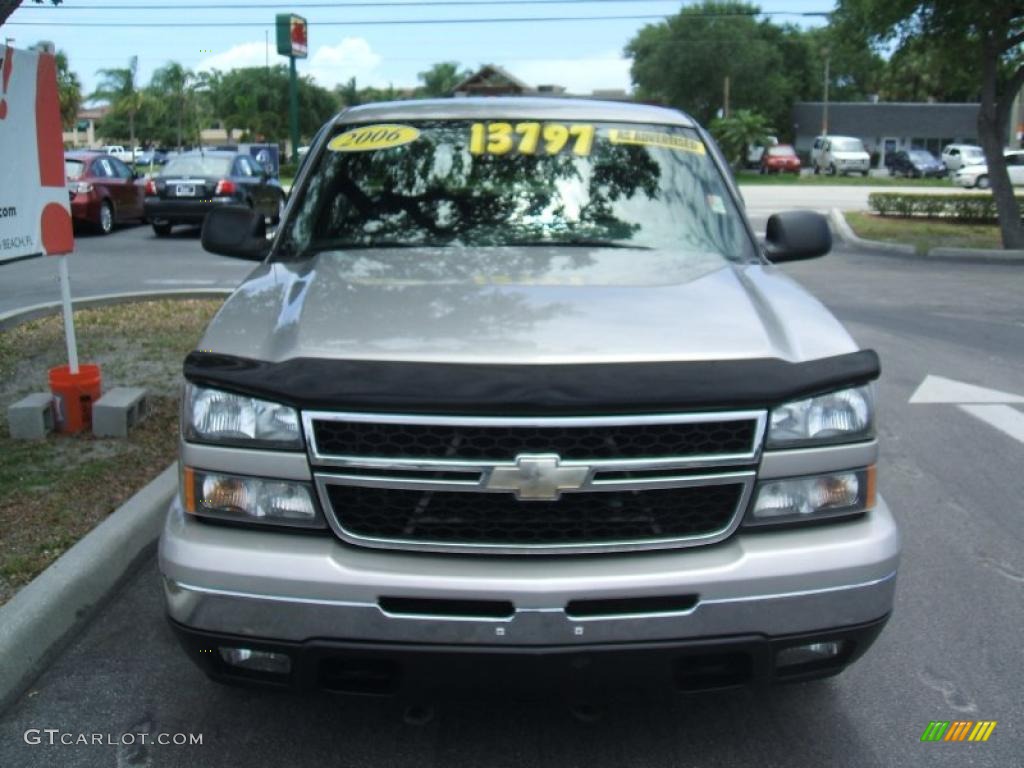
[516,183]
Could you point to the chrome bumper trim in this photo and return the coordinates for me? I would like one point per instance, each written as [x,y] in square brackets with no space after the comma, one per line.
[298,619]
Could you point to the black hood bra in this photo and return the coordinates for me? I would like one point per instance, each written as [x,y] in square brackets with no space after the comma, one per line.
[530,389]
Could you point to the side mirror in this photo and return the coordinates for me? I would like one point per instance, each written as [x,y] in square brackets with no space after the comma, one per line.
[236,231]
[797,235]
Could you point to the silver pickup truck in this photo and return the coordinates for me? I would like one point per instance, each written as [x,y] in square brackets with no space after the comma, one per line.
[516,388]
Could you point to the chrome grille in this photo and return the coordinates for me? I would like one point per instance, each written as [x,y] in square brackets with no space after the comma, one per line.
[465,441]
[464,484]
[499,519]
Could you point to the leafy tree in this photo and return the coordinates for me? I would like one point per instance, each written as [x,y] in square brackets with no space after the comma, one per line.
[117,87]
[736,132]
[254,100]
[856,71]
[69,89]
[685,60]
[348,94]
[441,79]
[988,36]
[923,69]
[7,7]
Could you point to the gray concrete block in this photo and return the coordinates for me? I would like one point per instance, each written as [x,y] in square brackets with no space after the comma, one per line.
[32,417]
[120,409]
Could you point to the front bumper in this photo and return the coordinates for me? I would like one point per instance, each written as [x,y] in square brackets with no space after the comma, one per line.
[295,588]
[401,668]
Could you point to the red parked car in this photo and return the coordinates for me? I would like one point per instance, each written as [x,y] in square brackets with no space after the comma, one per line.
[104,191]
[781,158]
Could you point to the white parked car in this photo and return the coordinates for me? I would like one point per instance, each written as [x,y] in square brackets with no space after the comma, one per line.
[956,156]
[840,155]
[976,175]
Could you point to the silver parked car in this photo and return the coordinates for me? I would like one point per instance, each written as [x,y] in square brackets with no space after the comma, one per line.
[515,383]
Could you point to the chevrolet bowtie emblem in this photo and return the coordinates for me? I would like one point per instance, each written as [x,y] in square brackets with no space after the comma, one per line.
[537,477]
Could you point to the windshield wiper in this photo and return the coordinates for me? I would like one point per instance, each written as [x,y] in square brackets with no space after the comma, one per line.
[581,243]
[346,246]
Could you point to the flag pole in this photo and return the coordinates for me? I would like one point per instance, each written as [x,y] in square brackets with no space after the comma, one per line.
[69,319]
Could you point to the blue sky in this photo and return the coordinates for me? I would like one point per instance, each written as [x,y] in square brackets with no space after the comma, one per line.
[582,55]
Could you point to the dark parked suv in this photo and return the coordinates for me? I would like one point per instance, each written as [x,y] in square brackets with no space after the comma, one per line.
[915,163]
[189,185]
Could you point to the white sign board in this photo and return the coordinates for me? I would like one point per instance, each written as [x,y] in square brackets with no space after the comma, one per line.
[35,215]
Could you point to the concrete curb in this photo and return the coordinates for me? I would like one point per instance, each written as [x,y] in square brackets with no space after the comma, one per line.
[16,317]
[977,254]
[34,624]
[960,255]
[846,234]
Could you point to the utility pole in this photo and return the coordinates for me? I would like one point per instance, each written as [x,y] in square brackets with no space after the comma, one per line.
[725,106]
[824,111]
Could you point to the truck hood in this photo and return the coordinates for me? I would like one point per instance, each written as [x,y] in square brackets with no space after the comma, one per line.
[522,305]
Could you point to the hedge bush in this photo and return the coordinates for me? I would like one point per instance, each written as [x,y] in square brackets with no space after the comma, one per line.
[959,207]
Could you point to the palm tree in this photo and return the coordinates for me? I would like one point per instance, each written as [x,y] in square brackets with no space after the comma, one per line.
[348,93]
[441,79]
[176,86]
[741,129]
[117,87]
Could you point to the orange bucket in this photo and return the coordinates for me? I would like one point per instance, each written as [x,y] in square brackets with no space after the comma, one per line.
[74,394]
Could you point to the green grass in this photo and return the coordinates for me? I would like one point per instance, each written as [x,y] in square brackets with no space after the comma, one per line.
[924,234]
[54,491]
[753,177]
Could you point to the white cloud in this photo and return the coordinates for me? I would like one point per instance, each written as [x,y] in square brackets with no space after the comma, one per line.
[352,57]
[328,64]
[236,57]
[578,75]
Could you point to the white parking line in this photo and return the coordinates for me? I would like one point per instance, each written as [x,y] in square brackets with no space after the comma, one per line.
[1002,417]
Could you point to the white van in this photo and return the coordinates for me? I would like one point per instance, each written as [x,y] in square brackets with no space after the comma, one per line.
[839,155]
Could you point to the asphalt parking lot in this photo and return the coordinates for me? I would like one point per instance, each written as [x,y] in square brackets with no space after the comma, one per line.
[952,650]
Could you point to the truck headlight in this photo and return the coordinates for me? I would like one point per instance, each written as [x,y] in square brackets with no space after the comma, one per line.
[213,416]
[838,417]
[239,499]
[805,499]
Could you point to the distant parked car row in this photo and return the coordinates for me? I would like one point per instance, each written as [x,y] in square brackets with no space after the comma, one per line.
[105,191]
